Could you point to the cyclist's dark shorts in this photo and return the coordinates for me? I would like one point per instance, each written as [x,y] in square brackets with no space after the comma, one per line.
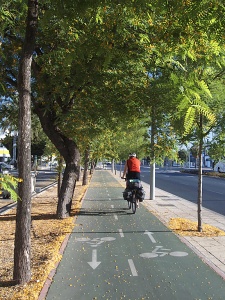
[133,175]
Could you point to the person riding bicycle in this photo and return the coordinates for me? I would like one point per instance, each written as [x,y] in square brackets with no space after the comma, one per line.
[132,168]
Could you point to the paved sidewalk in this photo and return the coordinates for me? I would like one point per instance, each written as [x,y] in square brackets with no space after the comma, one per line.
[167,206]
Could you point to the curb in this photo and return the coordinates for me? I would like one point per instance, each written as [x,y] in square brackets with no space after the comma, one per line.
[48,281]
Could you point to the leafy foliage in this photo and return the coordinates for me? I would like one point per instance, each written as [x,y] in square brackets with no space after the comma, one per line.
[92,58]
[9,183]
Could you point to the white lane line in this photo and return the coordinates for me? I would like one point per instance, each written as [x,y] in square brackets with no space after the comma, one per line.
[116,217]
[216,192]
[132,267]
[121,232]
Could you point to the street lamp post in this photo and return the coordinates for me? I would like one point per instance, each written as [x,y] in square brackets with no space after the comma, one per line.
[15,134]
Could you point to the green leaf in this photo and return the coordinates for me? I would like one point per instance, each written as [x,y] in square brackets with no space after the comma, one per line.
[9,183]
[189,120]
[204,87]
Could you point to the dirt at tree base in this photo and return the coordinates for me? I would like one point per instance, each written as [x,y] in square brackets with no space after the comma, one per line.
[47,235]
[187,227]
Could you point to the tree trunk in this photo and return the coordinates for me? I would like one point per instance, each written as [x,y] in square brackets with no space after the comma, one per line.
[22,263]
[60,169]
[200,177]
[66,191]
[69,151]
[86,163]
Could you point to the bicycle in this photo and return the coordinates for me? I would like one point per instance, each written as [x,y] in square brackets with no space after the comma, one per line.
[133,186]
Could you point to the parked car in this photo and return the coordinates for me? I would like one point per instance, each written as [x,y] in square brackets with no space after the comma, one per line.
[3,170]
[99,165]
[5,194]
[6,166]
[220,167]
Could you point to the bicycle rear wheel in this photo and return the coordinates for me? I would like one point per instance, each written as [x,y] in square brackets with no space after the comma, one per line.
[134,207]
[129,204]
[134,204]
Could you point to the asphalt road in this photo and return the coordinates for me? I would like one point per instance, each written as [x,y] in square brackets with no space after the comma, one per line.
[43,177]
[113,254]
[43,180]
[186,186]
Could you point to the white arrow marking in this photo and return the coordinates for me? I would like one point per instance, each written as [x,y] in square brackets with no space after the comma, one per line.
[132,267]
[150,236]
[94,263]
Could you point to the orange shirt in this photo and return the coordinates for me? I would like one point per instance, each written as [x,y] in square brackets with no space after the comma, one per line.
[134,164]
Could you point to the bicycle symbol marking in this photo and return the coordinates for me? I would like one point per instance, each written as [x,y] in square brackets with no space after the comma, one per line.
[96,241]
[160,251]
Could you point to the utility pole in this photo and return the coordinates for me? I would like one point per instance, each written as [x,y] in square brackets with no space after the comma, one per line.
[14,146]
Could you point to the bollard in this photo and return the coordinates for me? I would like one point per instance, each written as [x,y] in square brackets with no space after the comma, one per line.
[33,182]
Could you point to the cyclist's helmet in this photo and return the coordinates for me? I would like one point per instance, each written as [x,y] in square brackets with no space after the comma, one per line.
[132,155]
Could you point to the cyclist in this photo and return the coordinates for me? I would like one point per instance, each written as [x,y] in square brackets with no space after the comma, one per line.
[131,171]
[132,168]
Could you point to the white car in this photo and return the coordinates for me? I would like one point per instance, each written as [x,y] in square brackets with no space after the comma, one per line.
[99,165]
[220,167]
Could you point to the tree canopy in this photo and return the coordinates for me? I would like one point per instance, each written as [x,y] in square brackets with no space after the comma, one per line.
[98,67]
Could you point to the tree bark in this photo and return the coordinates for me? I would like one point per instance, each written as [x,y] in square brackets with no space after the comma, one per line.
[22,261]
[60,174]
[67,191]
[86,163]
[200,177]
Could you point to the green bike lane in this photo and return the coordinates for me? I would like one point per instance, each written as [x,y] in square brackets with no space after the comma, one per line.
[114,254]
